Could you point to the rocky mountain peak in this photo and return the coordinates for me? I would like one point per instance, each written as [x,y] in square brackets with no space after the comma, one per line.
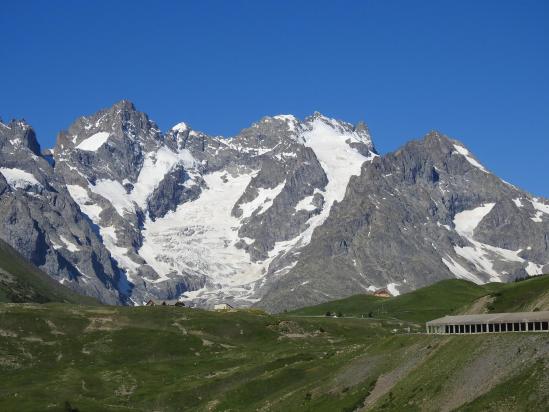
[317,115]
[180,127]
[118,123]
[18,133]
[436,140]
[357,135]
[287,212]
[124,105]
[362,127]
[455,152]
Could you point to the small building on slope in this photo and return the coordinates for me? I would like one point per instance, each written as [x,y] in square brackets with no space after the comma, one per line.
[383,293]
[490,323]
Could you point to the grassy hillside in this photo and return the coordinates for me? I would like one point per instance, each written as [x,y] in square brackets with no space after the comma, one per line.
[20,281]
[526,295]
[65,357]
[59,357]
[421,305]
[171,358]
[443,298]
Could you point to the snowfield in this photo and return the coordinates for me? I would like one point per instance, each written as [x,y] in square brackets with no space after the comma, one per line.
[94,142]
[200,237]
[481,255]
[19,179]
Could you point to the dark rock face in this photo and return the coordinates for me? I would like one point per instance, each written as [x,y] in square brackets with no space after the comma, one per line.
[39,218]
[285,214]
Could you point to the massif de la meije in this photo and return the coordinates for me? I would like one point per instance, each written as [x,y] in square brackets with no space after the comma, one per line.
[274,206]
[286,214]
[290,267]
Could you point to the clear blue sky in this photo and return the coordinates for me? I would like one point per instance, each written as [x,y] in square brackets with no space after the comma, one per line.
[476,70]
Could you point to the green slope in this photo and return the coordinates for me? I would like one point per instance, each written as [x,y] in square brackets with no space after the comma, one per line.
[442,298]
[20,281]
[526,295]
[59,356]
[170,358]
[445,297]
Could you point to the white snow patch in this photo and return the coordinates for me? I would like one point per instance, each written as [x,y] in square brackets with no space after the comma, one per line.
[155,167]
[466,222]
[541,209]
[285,117]
[70,246]
[534,269]
[537,217]
[463,151]
[444,226]
[56,245]
[94,142]
[392,288]
[285,269]
[200,236]
[305,204]
[115,193]
[517,202]
[108,234]
[285,155]
[480,258]
[263,201]
[80,196]
[19,179]
[459,271]
[481,255]
[119,254]
[339,161]
[180,127]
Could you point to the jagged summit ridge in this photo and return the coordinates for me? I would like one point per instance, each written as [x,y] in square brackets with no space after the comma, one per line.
[287,212]
[269,178]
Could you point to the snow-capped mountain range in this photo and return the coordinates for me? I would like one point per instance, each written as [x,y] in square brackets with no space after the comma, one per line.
[289,212]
